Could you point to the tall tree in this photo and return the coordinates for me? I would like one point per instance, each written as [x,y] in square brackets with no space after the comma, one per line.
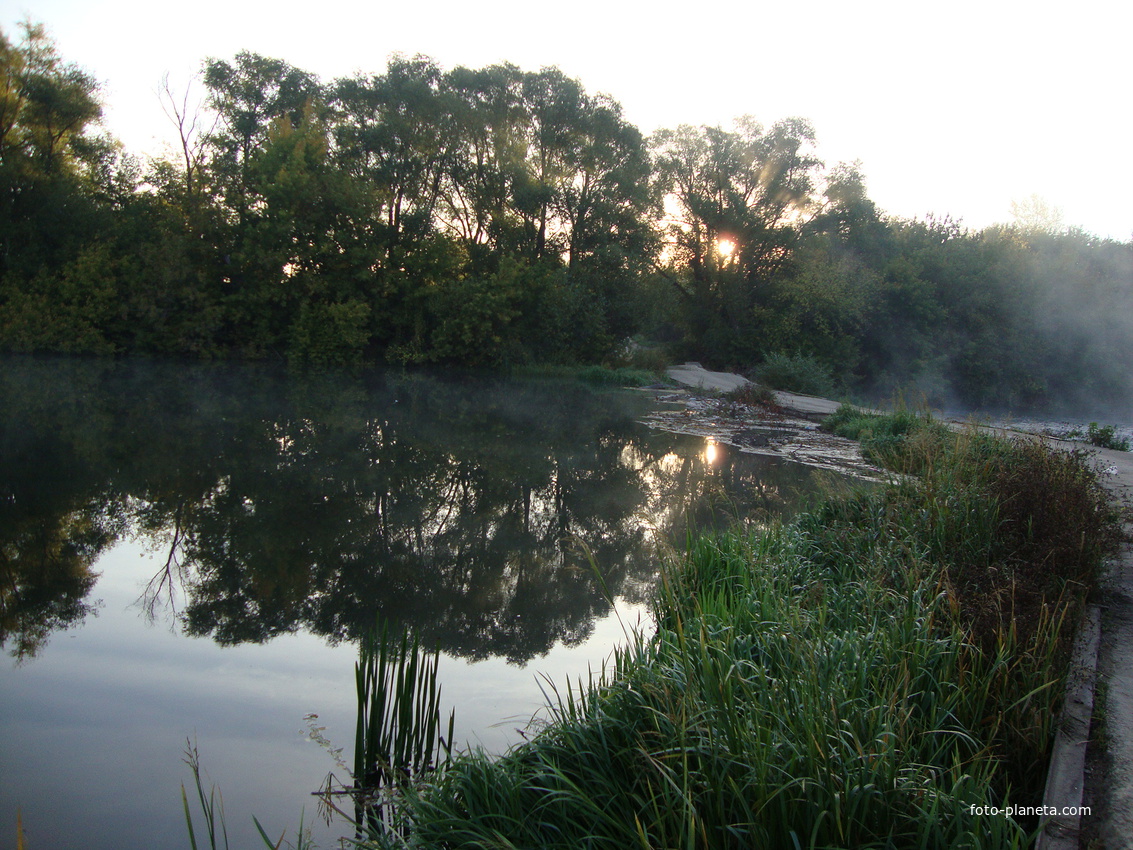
[248,95]
[738,199]
[49,158]
[490,126]
[254,96]
[394,133]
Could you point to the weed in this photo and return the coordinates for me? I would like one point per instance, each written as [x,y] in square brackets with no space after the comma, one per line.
[398,740]
[399,736]
[212,805]
[621,376]
[637,355]
[752,395]
[1105,437]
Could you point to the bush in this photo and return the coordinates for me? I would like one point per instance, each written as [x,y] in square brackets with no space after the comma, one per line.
[796,373]
[752,395]
[330,334]
[902,441]
[1012,522]
[621,376]
[650,358]
[1105,437]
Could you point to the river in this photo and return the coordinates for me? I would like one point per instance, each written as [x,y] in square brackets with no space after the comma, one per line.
[189,553]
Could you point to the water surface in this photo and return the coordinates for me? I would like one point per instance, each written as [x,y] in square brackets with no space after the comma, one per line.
[190,553]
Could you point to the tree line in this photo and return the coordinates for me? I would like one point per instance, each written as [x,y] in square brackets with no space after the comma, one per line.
[495,217]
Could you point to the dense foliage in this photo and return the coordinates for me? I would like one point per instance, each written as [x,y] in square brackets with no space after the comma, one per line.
[494,217]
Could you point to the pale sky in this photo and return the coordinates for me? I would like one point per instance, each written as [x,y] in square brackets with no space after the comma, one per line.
[953,108]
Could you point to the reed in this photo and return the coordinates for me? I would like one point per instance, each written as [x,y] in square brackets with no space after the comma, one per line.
[212,805]
[398,735]
[398,740]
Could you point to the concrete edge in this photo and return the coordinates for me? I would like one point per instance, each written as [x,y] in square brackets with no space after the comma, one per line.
[1065,777]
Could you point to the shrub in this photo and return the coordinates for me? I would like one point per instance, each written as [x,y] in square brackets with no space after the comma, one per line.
[622,376]
[797,373]
[649,358]
[330,334]
[903,440]
[1105,437]
[752,395]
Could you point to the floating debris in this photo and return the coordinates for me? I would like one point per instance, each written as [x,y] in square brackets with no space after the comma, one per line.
[770,431]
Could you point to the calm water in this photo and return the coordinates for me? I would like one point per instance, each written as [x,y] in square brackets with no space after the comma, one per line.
[189,553]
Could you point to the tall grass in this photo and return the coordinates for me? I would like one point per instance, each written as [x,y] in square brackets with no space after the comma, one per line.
[212,805]
[398,735]
[609,376]
[863,677]
[399,738]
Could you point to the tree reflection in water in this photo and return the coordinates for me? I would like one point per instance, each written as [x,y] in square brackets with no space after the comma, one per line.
[456,506]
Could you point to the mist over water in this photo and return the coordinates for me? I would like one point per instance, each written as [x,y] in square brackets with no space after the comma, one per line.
[194,550]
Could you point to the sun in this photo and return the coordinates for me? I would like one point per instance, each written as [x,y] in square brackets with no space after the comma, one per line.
[725,247]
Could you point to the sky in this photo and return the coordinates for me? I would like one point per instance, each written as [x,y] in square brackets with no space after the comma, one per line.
[956,108]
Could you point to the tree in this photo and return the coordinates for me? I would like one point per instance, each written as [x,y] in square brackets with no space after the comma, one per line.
[490,149]
[1036,215]
[738,200]
[248,95]
[48,158]
[256,99]
[394,134]
[191,141]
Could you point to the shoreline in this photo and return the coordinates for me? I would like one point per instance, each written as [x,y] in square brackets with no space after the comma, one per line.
[1088,766]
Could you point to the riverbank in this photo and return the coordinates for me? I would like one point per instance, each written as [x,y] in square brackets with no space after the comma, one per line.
[1093,762]
[882,671]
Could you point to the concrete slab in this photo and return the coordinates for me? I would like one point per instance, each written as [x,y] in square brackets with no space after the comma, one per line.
[1109,784]
[1066,772]
[696,376]
[807,405]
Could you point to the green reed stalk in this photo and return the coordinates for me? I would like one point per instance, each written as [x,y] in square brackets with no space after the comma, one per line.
[398,735]
[212,805]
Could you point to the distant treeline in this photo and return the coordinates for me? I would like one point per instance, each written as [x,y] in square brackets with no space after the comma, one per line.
[499,217]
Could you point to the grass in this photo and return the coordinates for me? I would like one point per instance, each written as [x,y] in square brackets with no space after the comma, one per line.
[900,440]
[398,735]
[398,739]
[212,805]
[752,395]
[614,376]
[868,675]
[861,677]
